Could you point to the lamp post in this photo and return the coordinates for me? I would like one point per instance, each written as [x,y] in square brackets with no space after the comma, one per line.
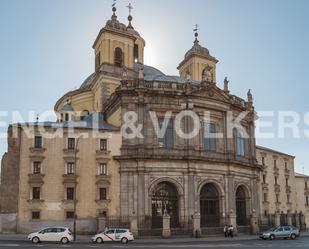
[75,185]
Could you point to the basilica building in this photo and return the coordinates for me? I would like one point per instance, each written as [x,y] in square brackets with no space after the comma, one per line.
[82,168]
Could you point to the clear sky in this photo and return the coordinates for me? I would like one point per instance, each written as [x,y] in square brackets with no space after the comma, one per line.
[46,50]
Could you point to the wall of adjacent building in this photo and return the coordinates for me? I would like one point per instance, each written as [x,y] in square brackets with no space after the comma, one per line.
[53,205]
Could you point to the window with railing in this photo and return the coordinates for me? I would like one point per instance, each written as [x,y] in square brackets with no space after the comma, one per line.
[36,193]
[102,194]
[71,143]
[70,169]
[36,168]
[103,144]
[38,142]
[102,170]
[70,194]
[36,215]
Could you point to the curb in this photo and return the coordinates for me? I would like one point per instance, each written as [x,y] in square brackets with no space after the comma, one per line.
[155,240]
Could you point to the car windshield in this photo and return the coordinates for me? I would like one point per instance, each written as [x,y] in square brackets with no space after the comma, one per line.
[271,229]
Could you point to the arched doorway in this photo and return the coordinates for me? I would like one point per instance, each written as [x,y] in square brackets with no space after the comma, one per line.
[241,209]
[164,198]
[209,204]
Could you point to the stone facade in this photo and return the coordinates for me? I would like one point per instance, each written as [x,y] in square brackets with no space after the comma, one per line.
[171,182]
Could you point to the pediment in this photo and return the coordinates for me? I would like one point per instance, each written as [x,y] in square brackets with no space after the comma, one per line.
[210,90]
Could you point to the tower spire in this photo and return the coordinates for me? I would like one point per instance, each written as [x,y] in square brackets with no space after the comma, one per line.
[130,18]
[196,29]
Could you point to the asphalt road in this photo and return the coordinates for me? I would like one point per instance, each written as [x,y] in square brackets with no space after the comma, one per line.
[230,244]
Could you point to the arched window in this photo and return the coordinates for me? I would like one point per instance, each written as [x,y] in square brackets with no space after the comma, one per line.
[210,207]
[67,117]
[241,213]
[240,143]
[118,57]
[84,114]
[164,199]
[135,53]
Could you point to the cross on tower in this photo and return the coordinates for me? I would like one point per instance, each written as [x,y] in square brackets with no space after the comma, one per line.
[114,3]
[130,7]
[196,28]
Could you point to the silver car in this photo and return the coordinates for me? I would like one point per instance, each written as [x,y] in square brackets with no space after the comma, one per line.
[281,232]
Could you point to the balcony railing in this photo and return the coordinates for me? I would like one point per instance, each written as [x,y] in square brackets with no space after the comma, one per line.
[161,153]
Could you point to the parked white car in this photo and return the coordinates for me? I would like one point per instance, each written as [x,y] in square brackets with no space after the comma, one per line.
[52,234]
[114,234]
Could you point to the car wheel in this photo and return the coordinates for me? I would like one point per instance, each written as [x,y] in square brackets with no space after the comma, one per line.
[293,236]
[35,240]
[272,237]
[99,240]
[124,241]
[64,240]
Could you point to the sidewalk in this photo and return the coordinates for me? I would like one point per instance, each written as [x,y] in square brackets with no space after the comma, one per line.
[212,238]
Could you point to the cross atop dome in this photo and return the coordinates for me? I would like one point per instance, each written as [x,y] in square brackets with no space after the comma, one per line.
[130,18]
[196,28]
[114,9]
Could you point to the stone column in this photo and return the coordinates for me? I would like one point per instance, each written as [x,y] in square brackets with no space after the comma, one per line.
[101,223]
[297,219]
[302,222]
[166,232]
[254,223]
[134,225]
[232,220]
[277,219]
[196,225]
[289,218]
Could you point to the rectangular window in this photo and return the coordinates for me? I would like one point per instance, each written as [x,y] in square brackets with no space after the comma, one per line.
[36,167]
[288,198]
[168,139]
[265,197]
[275,163]
[287,181]
[103,144]
[70,194]
[71,143]
[264,178]
[276,180]
[70,169]
[306,185]
[265,213]
[36,215]
[240,144]
[285,165]
[102,169]
[210,137]
[102,193]
[263,160]
[38,142]
[70,214]
[277,198]
[307,200]
[36,193]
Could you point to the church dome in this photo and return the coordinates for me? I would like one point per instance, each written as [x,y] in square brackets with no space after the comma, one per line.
[114,24]
[197,49]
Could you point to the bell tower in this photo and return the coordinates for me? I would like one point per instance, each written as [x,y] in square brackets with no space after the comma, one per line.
[117,44]
[198,64]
